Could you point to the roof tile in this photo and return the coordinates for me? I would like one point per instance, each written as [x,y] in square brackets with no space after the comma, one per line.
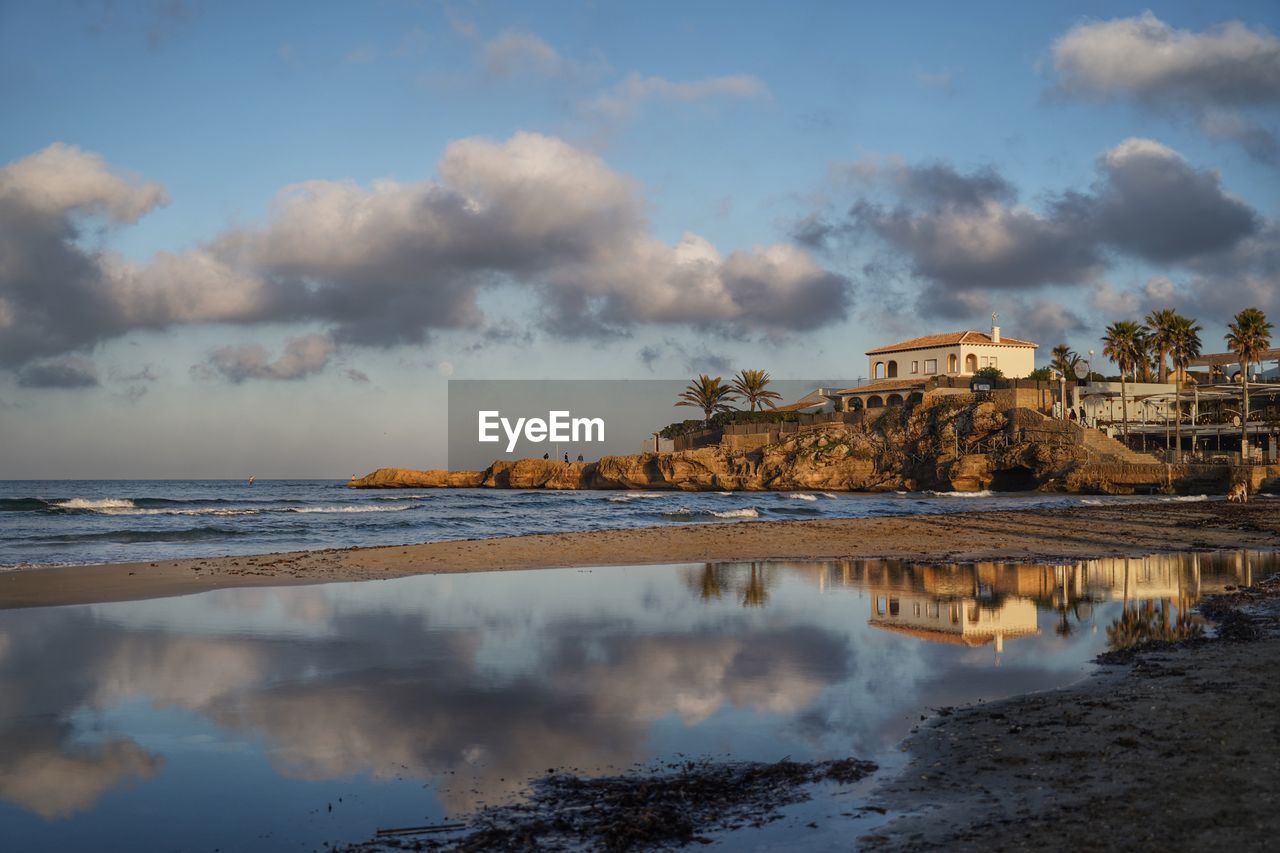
[951,339]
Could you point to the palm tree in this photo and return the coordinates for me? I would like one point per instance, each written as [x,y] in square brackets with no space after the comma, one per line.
[750,385]
[1065,360]
[710,395]
[1124,344]
[1184,345]
[1146,363]
[1248,336]
[1160,325]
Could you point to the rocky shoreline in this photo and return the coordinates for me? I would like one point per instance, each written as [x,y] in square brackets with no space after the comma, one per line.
[937,445]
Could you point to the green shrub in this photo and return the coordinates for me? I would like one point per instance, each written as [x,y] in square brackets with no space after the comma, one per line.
[994,375]
[723,419]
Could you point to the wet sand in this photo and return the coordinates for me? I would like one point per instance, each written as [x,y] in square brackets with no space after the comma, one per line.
[1037,535]
[1179,750]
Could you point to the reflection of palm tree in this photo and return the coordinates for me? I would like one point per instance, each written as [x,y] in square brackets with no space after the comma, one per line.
[756,592]
[1142,624]
[708,583]
[1063,628]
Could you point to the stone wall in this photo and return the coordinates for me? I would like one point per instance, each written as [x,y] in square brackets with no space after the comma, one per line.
[1040,399]
[1123,478]
[747,442]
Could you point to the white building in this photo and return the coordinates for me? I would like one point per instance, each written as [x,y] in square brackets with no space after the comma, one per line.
[900,371]
[952,354]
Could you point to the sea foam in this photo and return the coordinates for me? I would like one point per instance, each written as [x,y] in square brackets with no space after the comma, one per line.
[745,512]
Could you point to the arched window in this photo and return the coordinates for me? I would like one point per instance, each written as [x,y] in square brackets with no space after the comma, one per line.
[895,400]
[874,402]
[879,370]
[893,370]
[953,363]
[852,404]
[970,363]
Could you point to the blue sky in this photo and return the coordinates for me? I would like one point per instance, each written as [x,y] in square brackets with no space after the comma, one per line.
[853,173]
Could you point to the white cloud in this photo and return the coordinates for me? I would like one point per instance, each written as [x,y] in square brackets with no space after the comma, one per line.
[62,178]
[301,358]
[391,262]
[625,98]
[514,53]
[1212,76]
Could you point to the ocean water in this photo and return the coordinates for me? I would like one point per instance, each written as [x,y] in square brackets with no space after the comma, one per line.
[68,522]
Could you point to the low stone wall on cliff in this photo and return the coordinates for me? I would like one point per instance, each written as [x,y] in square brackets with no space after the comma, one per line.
[1127,479]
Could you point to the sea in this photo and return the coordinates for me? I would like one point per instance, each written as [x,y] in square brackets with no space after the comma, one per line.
[79,522]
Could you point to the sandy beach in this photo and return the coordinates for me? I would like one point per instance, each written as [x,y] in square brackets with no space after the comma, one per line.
[1030,535]
[1177,750]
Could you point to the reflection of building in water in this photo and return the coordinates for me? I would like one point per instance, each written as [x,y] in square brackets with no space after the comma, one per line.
[1156,576]
[989,602]
[953,620]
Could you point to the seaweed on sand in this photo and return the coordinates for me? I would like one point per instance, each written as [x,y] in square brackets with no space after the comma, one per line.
[666,807]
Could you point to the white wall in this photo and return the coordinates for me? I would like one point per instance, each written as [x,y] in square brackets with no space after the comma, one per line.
[1014,362]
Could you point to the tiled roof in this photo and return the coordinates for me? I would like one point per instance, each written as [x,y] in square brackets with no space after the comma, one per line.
[883,385]
[799,407]
[936,636]
[951,339]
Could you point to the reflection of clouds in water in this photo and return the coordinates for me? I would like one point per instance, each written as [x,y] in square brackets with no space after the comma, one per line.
[183,671]
[771,670]
[41,772]
[262,611]
[304,605]
[496,678]
[591,710]
[380,694]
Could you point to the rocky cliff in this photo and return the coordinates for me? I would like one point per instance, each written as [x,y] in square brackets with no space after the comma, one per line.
[947,444]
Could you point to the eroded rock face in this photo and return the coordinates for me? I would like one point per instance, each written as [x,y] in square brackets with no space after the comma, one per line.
[945,444]
[404,478]
[971,473]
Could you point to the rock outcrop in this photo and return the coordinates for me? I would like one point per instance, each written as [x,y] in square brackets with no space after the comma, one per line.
[406,478]
[945,444]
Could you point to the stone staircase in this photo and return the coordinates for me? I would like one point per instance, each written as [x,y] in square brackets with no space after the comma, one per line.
[1101,444]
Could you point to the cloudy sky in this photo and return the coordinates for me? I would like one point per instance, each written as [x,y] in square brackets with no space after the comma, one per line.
[237,239]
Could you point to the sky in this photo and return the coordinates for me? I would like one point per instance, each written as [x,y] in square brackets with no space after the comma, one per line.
[259,238]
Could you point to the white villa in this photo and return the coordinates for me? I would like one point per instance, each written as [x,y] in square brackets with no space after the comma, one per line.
[963,621]
[899,371]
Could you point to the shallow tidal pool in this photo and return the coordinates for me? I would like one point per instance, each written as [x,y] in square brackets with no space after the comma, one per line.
[290,718]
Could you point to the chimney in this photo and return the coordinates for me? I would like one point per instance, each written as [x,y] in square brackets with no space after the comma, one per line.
[995,330]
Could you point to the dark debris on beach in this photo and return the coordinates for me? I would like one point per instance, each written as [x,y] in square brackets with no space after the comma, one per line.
[662,807]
